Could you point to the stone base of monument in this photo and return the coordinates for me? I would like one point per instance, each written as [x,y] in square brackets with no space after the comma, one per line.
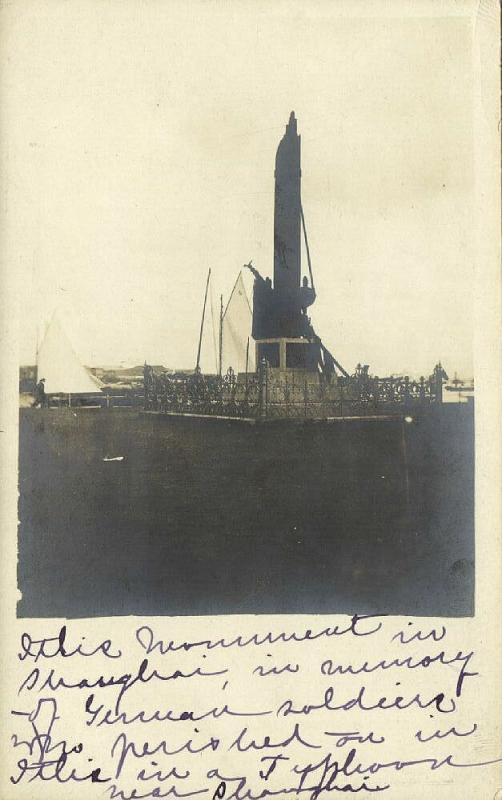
[285,354]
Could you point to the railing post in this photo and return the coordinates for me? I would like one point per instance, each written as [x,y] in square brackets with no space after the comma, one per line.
[422,390]
[438,376]
[406,391]
[262,388]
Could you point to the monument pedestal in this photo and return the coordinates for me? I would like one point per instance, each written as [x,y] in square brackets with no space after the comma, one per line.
[284,354]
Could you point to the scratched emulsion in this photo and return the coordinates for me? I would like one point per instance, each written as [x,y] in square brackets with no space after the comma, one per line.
[214,517]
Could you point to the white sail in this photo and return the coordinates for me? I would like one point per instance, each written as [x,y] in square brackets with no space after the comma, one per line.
[61,367]
[237,324]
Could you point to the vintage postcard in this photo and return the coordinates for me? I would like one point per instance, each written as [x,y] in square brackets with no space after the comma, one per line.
[251,418]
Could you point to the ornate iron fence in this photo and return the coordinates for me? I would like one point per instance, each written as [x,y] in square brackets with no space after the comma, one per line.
[201,394]
[264,395]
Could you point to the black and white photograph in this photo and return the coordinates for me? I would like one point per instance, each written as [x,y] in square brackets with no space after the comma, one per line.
[250,380]
[246,383]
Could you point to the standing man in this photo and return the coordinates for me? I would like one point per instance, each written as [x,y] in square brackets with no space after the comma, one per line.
[40,396]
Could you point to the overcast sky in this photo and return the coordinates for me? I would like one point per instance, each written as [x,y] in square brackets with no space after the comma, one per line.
[141,139]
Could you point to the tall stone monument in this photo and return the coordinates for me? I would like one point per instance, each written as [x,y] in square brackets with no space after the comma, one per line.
[282,330]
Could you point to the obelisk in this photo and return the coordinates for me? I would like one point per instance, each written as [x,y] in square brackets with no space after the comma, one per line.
[287,212]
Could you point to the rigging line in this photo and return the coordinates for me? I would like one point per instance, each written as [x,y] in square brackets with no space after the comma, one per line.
[307,248]
[246,294]
[232,293]
[336,363]
[220,338]
[197,367]
[211,303]
[36,352]
[46,327]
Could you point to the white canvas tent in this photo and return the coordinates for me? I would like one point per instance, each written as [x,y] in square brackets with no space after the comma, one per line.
[61,367]
[237,324]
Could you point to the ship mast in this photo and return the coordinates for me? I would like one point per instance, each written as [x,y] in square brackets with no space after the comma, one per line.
[220,339]
[197,366]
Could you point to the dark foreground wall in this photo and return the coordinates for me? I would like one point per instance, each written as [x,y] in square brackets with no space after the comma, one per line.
[212,517]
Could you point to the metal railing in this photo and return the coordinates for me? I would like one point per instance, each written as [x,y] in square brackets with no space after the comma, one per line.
[264,395]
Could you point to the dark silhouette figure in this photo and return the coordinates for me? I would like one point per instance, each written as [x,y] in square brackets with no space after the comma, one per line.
[40,400]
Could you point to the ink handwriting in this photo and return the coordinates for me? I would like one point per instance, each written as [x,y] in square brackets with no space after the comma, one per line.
[200,718]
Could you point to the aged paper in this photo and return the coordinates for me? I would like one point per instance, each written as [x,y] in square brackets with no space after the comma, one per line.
[237,604]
